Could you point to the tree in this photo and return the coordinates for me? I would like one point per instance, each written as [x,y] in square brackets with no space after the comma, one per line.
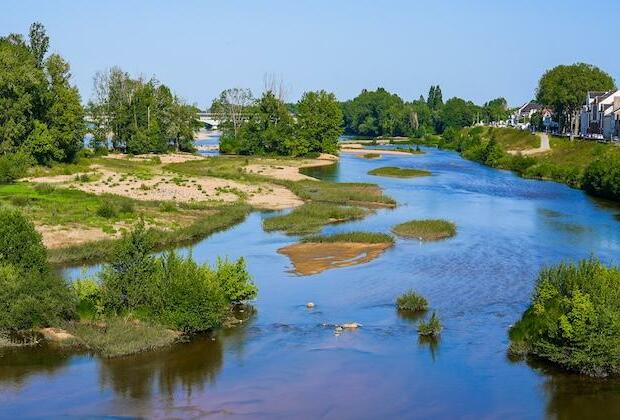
[319,124]
[435,98]
[142,115]
[495,110]
[233,104]
[457,113]
[564,88]
[377,113]
[39,109]
[39,42]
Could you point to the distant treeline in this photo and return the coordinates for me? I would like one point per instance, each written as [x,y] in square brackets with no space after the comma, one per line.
[381,113]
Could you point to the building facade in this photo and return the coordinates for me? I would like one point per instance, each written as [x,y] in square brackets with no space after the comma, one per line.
[600,116]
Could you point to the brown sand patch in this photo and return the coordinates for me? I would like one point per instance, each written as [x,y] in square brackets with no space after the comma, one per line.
[55,237]
[168,187]
[289,170]
[164,158]
[56,334]
[313,258]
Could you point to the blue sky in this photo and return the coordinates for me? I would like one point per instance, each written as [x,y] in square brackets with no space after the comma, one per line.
[475,49]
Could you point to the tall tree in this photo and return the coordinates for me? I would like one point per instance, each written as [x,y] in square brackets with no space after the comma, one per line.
[39,42]
[233,104]
[319,124]
[564,88]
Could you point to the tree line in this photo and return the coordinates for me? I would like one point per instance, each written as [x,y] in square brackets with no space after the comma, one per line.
[266,126]
[42,119]
[381,113]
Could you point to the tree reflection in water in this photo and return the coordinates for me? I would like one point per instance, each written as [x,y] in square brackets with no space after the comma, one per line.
[18,364]
[186,367]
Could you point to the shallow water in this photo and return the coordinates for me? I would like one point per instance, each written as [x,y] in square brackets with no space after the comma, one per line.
[286,364]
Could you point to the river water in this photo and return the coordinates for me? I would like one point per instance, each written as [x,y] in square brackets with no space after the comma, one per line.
[285,363]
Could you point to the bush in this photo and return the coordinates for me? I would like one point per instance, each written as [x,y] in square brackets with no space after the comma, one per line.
[21,243]
[30,298]
[574,318]
[171,290]
[107,210]
[411,301]
[430,328]
[602,177]
[31,294]
[14,166]
[88,297]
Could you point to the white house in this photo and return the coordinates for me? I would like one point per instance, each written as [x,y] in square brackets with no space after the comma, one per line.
[521,118]
[600,116]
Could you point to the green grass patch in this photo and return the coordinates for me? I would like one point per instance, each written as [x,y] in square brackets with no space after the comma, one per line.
[371,156]
[426,230]
[92,252]
[356,237]
[396,172]
[344,193]
[411,301]
[115,337]
[310,217]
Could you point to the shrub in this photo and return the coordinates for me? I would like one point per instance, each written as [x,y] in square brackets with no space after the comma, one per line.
[20,200]
[88,297]
[44,188]
[171,290]
[168,207]
[126,206]
[30,293]
[430,328]
[574,318]
[21,243]
[411,301]
[602,177]
[107,210]
[14,166]
[30,298]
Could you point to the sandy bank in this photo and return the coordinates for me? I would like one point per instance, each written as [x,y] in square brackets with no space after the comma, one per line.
[290,172]
[313,258]
[362,151]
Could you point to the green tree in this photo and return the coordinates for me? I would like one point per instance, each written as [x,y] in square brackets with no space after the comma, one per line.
[319,124]
[457,113]
[564,88]
[39,42]
[41,145]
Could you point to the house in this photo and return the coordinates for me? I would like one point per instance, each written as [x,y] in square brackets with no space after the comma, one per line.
[521,118]
[600,115]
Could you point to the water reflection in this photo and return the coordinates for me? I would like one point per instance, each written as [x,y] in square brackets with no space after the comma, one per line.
[19,364]
[185,368]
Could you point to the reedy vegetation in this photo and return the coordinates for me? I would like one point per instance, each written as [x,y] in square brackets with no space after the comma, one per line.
[411,301]
[426,230]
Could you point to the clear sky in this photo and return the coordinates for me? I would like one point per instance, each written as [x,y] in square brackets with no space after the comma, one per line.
[475,49]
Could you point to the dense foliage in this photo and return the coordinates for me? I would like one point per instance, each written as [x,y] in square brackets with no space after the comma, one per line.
[40,111]
[31,295]
[564,89]
[142,115]
[574,318]
[602,177]
[168,290]
[266,126]
[381,113]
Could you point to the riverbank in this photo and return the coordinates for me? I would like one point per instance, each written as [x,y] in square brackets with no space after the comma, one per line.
[539,157]
[81,210]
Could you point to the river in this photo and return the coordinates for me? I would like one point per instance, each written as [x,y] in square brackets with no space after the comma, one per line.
[285,363]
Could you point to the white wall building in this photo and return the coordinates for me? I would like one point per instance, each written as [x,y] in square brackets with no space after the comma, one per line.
[600,116]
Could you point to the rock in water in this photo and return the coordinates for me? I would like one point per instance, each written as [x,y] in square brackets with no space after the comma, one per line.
[310,305]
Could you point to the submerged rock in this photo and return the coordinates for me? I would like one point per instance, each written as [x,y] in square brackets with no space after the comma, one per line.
[310,305]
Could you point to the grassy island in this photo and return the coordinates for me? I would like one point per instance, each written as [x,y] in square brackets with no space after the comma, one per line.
[396,172]
[371,156]
[573,319]
[426,230]
[310,217]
